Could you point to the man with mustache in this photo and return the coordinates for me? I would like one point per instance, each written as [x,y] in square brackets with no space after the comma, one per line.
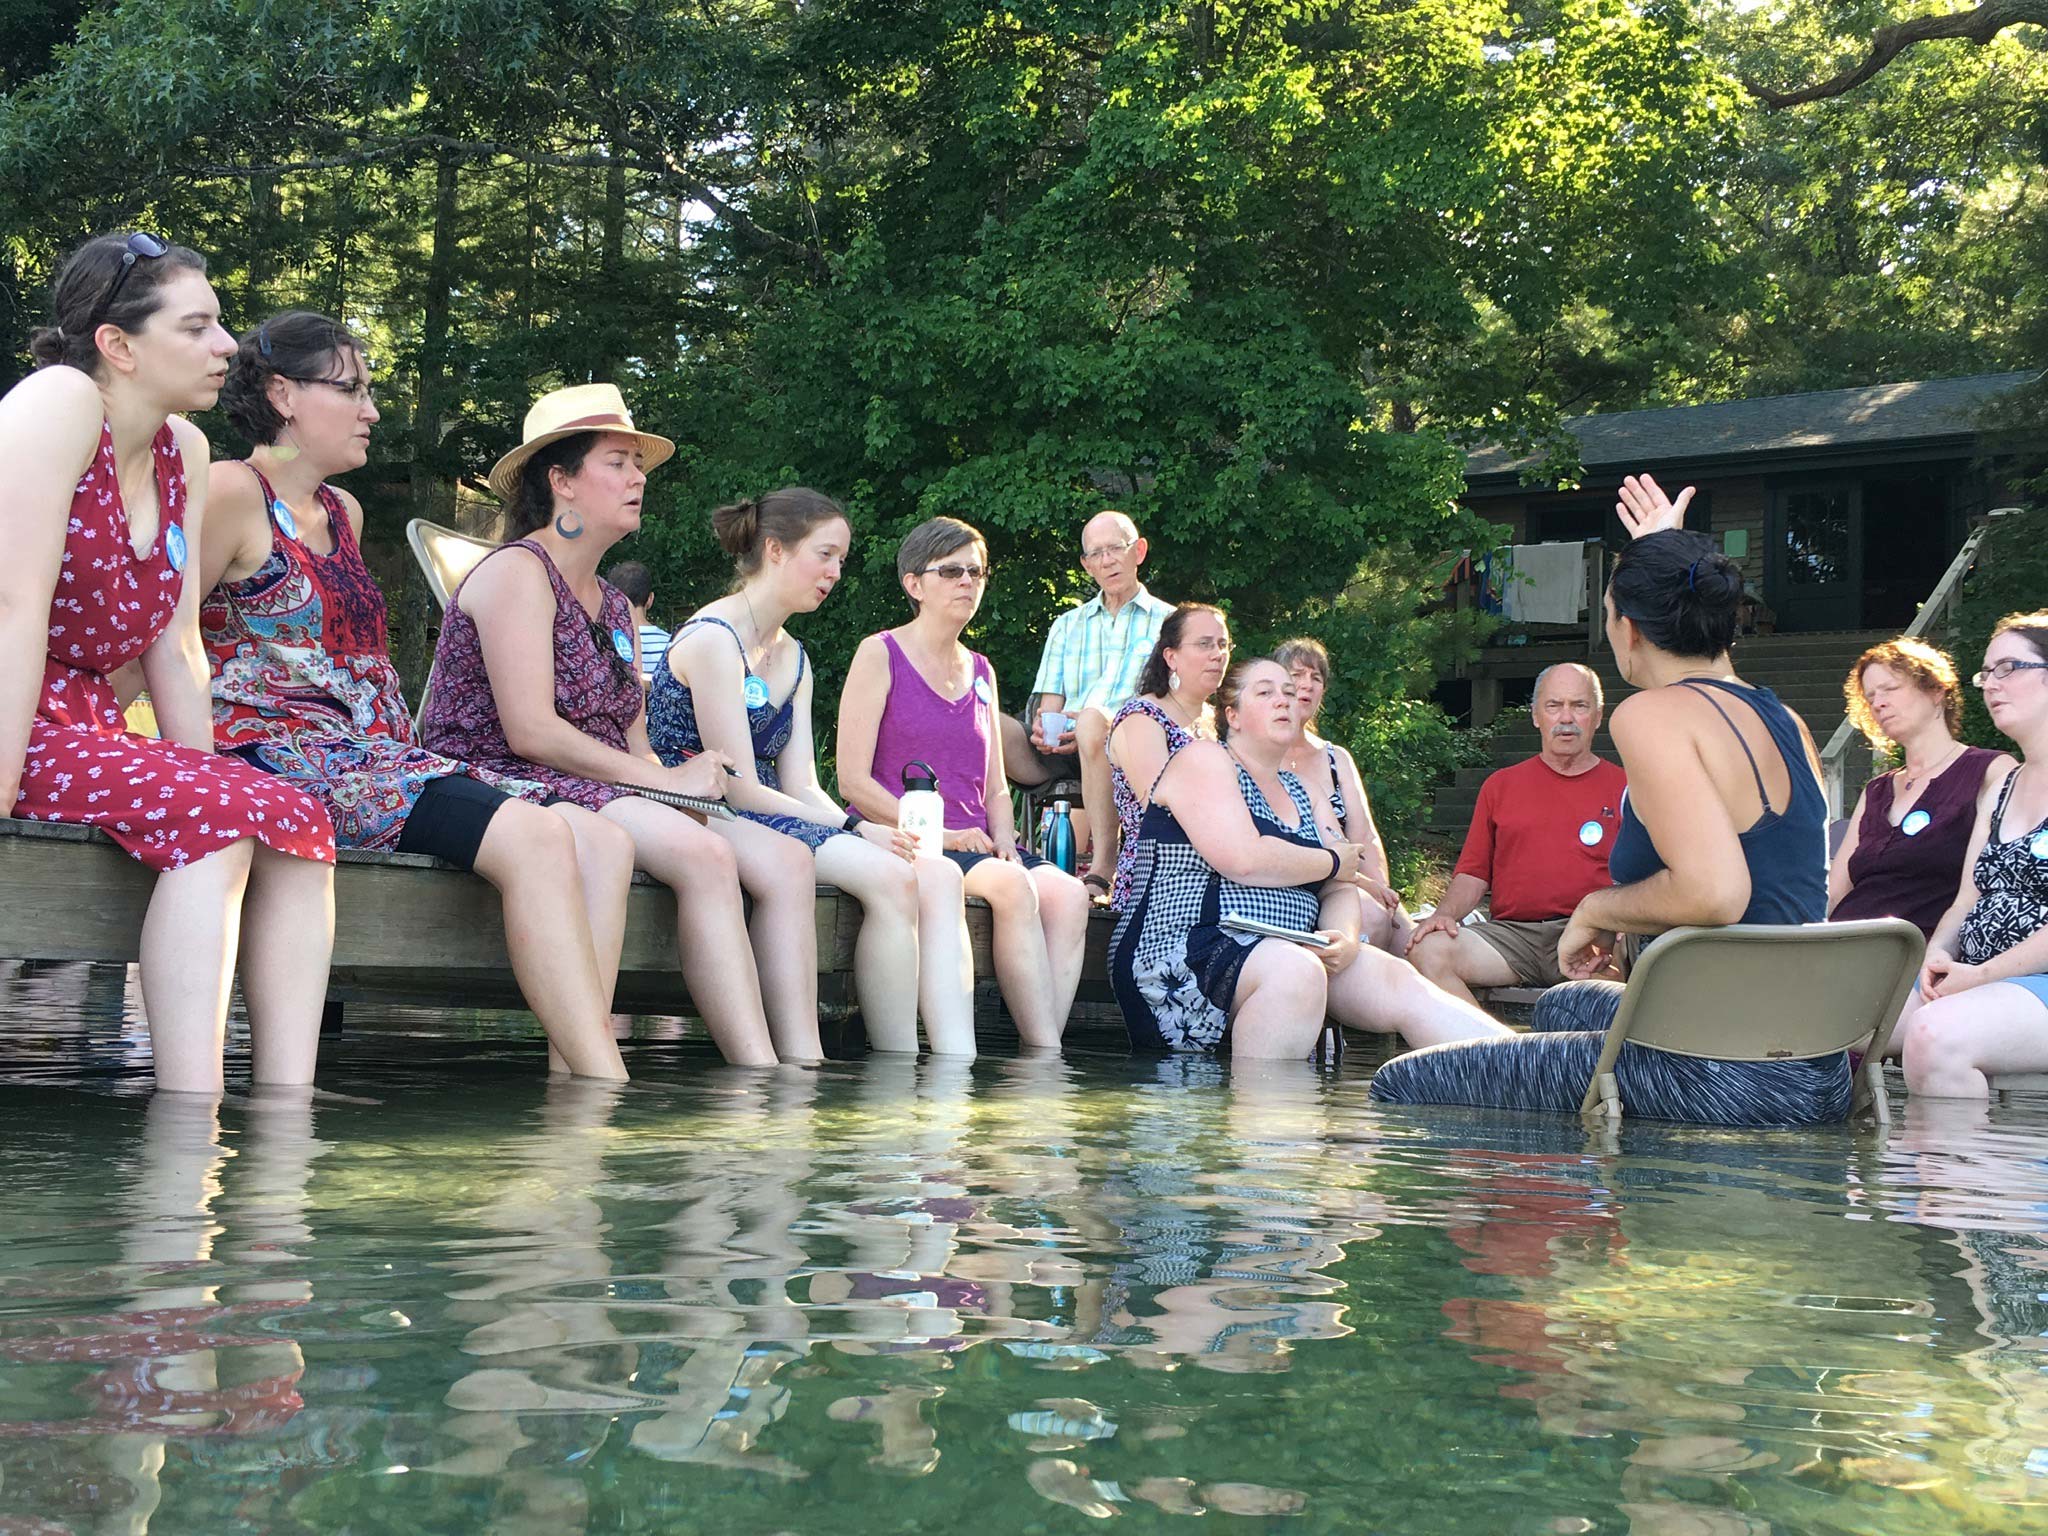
[1539,842]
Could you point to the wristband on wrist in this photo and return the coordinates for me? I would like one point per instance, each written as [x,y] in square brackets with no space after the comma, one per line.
[1336,863]
[852,821]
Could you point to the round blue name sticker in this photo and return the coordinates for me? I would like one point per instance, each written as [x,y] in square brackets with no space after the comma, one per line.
[2037,845]
[285,520]
[1915,822]
[623,644]
[174,546]
[756,692]
[982,691]
[1590,833]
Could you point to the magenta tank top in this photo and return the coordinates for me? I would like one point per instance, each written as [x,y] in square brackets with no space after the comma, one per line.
[951,735]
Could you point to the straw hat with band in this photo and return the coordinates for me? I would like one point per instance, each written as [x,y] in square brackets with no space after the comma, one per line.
[564,413]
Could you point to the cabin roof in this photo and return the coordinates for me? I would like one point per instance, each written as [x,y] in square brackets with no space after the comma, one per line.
[1919,413]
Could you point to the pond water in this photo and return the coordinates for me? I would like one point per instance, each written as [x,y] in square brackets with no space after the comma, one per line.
[1030,1295]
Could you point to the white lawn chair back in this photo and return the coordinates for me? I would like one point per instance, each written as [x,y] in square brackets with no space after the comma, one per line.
[445,557]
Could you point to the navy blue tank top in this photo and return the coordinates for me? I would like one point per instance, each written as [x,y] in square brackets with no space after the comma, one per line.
[1787,851]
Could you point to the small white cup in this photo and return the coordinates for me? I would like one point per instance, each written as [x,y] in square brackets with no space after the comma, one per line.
[1052,724]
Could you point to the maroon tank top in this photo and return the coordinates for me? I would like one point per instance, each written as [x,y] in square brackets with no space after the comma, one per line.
[1912,870]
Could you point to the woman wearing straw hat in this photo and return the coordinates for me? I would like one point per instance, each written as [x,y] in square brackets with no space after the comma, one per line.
[304,688]
[534,677]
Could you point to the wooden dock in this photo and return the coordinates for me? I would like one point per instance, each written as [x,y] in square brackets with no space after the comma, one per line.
[411,929]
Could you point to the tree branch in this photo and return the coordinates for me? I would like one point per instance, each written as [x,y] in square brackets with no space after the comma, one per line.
[1990,18]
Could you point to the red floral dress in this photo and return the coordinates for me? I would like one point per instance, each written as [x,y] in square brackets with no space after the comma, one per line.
[165,804]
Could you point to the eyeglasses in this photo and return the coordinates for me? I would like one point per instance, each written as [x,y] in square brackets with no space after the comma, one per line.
[1206,643]
[140,247]
[358,390]
[955,572]
[1090,556]
[2001,670]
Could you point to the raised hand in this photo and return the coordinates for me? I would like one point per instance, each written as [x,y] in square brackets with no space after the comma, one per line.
[1644,508]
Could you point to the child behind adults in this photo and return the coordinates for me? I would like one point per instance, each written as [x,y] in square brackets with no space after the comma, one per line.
[534,678]
[105,505]
[304,687]
[915,693]
[736,680]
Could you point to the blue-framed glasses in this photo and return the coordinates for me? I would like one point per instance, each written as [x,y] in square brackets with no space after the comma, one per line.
[2001,670]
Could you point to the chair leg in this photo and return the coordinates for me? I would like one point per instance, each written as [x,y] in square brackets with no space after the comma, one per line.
[1610,1096]
[1605,1109]
[1873,1094]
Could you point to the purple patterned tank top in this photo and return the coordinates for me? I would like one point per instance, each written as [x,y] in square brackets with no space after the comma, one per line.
[595,689]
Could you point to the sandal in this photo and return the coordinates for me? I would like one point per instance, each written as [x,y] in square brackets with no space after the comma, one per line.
[1099,892]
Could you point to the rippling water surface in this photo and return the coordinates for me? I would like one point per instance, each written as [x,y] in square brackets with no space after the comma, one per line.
[1026,1295]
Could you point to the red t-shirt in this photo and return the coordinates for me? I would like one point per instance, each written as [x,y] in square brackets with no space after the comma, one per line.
[1540,839]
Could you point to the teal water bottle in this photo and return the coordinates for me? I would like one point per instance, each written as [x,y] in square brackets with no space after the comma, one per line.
[1059,842]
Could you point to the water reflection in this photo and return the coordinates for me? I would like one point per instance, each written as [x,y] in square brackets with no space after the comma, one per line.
[943,1294]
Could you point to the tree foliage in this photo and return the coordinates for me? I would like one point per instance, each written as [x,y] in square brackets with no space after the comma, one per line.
[1255,272]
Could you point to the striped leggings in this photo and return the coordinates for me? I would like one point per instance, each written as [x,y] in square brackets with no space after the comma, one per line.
[1549,1068]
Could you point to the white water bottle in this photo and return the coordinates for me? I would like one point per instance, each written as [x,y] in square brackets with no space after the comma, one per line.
[921,812]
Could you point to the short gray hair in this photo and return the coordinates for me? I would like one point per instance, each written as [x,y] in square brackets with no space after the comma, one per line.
[1599,702]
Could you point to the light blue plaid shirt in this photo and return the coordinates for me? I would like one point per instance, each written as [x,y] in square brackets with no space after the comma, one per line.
[1092,660]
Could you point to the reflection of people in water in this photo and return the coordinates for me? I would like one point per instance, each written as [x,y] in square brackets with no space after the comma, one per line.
[1218,1281]
[180,1366]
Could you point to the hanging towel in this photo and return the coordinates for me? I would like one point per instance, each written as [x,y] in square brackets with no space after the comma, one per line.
[1547,584]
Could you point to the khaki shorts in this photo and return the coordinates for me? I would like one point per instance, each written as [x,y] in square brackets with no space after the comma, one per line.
[1530,949]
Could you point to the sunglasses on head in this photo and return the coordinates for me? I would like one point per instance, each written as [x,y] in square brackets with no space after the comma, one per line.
[140,247]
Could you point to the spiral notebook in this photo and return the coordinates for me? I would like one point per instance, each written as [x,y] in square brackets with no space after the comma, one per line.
[1270,931]
[695,804]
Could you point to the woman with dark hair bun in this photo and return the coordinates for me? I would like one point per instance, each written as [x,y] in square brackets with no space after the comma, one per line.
[304,688]
[99,523]
[1724,822]
[734,679]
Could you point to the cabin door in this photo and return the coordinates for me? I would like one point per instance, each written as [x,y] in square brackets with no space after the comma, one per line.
[1814,579]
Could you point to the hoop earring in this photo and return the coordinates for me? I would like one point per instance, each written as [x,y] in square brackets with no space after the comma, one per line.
[281,450]
[570,524]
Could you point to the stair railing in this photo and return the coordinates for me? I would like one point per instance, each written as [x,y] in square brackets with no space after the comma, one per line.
[1834,758]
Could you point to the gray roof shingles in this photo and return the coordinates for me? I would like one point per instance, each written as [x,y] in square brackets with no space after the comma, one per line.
[1779,424]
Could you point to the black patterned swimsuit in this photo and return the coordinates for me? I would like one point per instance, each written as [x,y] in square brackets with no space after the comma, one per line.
[2012,888]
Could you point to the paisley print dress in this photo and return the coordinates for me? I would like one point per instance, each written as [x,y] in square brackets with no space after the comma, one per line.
[304,688]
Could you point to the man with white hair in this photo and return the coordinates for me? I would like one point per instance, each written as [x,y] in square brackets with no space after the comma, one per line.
[1091,665]
[1539,842]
